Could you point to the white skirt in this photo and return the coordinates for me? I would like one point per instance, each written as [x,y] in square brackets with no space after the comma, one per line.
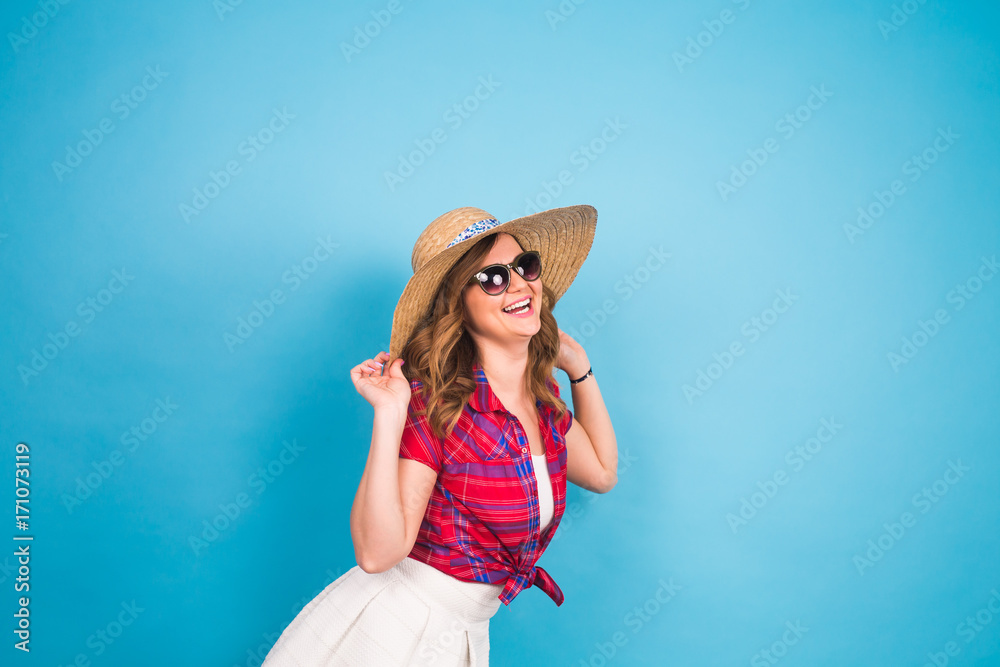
[411,614]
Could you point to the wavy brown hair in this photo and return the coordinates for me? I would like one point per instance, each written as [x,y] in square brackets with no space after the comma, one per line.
[441,357]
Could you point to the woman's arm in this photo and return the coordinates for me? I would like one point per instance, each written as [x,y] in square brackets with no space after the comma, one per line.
[391,498]
[591,445]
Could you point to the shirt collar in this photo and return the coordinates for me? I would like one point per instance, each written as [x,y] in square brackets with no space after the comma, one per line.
[483,399]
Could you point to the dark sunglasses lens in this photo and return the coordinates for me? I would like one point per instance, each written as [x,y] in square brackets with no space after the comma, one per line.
[530,266]
[496,279]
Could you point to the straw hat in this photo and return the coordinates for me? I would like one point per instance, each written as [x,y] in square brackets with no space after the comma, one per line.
[562,236]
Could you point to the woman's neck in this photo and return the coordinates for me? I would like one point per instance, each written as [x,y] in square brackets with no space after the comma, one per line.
[507,375]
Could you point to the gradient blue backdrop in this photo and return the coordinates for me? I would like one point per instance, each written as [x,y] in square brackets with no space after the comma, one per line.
[684,93]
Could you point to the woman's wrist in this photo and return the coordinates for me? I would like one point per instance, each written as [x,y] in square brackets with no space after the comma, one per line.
[391,414]
[578,373]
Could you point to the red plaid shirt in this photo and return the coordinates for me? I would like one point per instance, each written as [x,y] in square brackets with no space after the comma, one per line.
[482,518]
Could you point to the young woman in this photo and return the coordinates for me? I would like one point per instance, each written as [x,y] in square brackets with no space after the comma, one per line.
[465,482]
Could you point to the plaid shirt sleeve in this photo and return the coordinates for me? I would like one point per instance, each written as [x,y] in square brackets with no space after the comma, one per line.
[418,442]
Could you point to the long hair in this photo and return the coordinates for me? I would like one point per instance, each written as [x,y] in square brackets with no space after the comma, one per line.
[442,357]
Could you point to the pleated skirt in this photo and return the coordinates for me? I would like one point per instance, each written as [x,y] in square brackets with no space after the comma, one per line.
[411,614]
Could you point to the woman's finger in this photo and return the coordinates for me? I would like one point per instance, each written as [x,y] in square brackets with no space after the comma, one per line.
[364,370]
[370,368]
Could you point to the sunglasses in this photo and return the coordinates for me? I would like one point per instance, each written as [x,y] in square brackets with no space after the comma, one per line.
[495,278]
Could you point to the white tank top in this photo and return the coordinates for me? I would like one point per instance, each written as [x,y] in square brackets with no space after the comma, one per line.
[546,507]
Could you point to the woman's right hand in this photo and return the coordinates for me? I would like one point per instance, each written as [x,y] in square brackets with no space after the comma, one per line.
[383,387]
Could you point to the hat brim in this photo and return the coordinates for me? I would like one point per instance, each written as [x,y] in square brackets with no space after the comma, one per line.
[562,236]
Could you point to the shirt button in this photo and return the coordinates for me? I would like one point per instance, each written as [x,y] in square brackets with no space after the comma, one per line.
[524,450]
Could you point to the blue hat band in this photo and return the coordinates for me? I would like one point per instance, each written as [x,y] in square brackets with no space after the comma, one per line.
[475,229]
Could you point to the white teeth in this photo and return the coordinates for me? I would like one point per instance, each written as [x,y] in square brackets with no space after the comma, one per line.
[517,305]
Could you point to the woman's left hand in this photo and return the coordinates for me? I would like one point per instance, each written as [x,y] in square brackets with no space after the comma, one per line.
[572,359]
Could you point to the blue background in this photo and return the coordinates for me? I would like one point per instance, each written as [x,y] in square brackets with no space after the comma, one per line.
[687,460]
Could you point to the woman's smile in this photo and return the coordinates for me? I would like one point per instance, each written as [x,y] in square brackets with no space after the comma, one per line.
[523,307]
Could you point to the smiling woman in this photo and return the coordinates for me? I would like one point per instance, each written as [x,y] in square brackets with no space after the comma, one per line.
[472,447]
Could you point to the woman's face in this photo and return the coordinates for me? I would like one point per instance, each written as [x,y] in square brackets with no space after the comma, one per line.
[484,313]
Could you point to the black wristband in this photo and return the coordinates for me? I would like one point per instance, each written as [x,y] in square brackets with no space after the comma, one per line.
[585,376]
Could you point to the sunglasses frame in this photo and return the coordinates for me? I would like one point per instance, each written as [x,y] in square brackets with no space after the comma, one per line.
[510,269]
